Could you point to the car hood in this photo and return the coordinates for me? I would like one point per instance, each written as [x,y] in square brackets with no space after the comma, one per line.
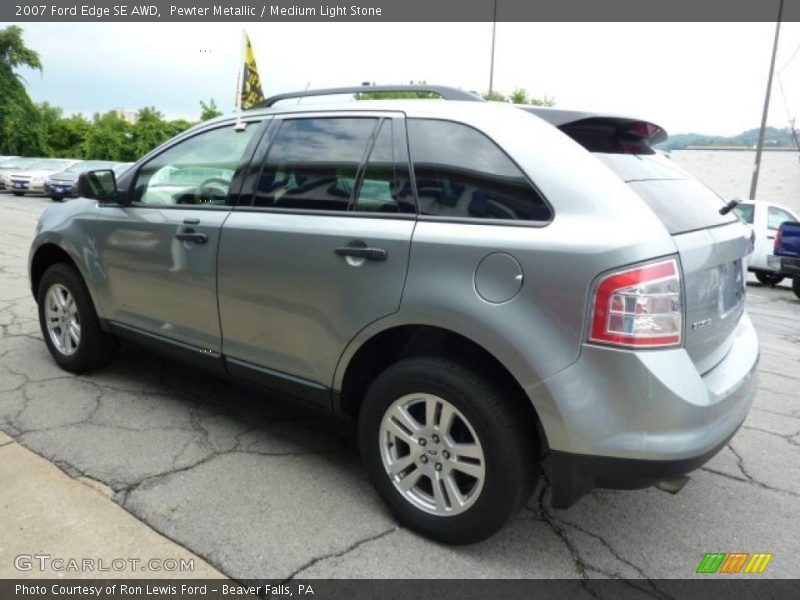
[35,173]
[64,177]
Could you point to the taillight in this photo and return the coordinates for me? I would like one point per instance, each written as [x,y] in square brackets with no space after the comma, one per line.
[639,307]
[776,246]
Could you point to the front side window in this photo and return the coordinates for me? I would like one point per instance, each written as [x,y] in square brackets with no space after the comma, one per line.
[312,163]
[196,172]
[461,173]
[777,216]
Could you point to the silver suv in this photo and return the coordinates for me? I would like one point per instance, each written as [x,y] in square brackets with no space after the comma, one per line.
[488,291]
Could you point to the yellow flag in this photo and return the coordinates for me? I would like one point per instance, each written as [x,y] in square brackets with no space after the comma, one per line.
[251,93]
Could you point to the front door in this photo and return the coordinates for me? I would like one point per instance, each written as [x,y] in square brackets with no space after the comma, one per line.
[319,249]
[158,251]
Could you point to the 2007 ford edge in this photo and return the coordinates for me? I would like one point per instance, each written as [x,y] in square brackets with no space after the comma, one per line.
[488,291]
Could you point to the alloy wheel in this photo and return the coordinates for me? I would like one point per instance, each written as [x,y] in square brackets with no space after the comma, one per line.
[432,455]
[62,320]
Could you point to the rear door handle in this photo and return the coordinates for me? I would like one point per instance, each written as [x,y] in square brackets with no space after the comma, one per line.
[358,249]
[190,235]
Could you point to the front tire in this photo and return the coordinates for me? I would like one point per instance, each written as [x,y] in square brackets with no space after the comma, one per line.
[445,449]
[18,193]
[57,198]
[796,285]
[69,322]
[766,278]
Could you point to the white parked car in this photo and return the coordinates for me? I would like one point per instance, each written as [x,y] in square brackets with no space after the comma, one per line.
[764,218]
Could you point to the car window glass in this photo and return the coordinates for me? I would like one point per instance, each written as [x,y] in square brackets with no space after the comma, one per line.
[312,163]
[461,173]
[776,216]
[197,172]
[385,186]
[745,212]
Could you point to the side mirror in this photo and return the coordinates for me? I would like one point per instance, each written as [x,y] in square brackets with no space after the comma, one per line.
[98,185]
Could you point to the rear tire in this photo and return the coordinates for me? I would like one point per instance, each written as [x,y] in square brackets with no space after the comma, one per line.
[796,285]
[18,193]
[766,278]
[484,436]
[69,322]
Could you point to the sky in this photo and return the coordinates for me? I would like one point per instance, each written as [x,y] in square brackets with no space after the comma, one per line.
[687,77]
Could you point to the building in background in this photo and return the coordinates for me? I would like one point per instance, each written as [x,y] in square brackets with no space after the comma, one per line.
[131,116]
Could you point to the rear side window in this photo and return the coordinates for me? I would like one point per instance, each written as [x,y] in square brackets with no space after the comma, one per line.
[312,163]
[385,185]
[461,173]
[776,216]
[746,212]
[682,203]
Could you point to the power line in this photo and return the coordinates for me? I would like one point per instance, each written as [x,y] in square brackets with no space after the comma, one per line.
[791,58]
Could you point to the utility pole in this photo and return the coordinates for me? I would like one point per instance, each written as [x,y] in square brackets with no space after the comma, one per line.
[491,68]
[760,146]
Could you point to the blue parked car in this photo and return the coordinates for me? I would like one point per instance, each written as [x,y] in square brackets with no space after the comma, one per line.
[786,255]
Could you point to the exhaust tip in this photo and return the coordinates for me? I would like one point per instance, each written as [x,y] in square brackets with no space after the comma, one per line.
[673,486]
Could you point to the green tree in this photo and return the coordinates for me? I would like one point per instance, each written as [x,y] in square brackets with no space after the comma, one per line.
[69,136]
[13,51]
[64,135]
[396,95]
[519,96]
[494,96]
[178,126]
[210,110]
[150,130]
[109,138]
[21,129]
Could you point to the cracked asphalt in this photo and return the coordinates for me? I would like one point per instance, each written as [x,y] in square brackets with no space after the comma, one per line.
[264,489]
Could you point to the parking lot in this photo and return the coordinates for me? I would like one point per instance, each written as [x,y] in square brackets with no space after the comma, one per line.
[264,489]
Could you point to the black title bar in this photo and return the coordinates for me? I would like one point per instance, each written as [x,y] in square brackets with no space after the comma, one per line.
[397,10]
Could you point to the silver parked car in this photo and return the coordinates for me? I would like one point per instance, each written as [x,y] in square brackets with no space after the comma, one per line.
[12,165]
[32,177]
[62,184]
[485,290]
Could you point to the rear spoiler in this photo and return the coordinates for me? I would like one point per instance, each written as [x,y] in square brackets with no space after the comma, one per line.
[602,132]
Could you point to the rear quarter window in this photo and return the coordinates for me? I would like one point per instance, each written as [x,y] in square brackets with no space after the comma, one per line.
[461,173]
[681,202]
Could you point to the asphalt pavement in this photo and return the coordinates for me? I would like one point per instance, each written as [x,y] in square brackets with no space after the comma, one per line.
[263,489]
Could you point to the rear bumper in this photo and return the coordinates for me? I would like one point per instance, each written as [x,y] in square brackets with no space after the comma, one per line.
[627,420]
[785,265]
[574,475]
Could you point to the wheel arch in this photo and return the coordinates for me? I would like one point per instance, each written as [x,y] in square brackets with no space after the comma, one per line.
[359,367]
[46,255]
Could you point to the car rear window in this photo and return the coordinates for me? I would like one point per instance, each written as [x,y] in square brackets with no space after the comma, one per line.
[680,201]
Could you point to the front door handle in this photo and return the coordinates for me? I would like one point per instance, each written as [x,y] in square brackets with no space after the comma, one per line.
[190,235]
[358,249]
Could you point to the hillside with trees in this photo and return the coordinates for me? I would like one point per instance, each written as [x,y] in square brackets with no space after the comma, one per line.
[774,138]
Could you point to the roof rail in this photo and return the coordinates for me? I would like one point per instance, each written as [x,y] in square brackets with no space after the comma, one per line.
[447,93]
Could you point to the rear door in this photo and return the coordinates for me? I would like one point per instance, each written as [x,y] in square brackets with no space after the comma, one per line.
[318,247]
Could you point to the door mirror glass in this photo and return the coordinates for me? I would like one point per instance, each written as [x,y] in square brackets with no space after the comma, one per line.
[98,185]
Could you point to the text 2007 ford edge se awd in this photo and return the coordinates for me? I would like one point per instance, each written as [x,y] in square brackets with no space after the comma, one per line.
[485,289]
